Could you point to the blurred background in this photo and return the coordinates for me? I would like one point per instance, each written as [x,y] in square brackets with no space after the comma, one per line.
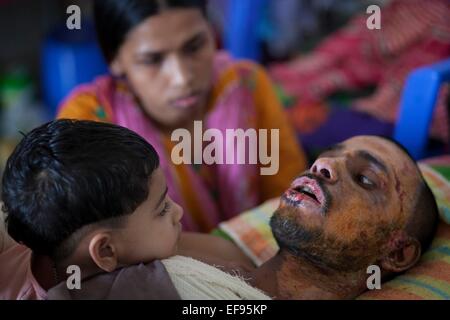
[41,60]
[35,60]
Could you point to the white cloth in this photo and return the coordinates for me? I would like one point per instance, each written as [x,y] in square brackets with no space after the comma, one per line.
[195,280]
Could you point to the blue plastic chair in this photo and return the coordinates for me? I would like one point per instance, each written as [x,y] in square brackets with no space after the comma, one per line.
[417,106]
[242,37]
[69,58]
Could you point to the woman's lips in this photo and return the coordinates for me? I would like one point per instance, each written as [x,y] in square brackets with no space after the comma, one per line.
[186,102]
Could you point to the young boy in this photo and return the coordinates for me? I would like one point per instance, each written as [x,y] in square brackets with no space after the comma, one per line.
[92,195]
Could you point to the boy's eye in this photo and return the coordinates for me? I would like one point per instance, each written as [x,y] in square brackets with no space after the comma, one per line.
[165,209]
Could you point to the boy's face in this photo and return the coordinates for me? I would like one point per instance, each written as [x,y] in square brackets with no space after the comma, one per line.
[153,230]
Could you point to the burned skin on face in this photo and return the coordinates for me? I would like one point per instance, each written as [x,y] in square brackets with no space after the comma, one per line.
[357,230]
[348,237]
[391,200]
[349,250]
[356,217]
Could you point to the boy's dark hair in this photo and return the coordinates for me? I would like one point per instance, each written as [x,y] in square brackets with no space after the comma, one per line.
[114,19]
[68,174]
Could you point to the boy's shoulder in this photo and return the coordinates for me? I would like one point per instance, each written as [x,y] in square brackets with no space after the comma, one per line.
[137,282]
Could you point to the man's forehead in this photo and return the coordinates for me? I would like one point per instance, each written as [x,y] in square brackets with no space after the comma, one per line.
[374,144]
[380,148]
[383,148]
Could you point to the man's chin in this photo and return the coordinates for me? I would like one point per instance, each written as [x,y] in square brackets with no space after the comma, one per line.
[293,228]
[304,237]
[301,209]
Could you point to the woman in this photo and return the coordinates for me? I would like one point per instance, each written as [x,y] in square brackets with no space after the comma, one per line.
[166,74]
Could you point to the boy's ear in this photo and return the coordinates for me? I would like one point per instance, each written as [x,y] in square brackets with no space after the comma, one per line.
[103,251]
[403,257]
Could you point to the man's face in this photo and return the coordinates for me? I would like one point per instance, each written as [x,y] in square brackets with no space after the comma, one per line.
[342,212]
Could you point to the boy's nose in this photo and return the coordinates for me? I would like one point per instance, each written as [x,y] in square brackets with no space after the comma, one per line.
[326,168]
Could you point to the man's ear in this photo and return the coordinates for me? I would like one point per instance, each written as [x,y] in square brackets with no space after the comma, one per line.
[103,251]
[403,257]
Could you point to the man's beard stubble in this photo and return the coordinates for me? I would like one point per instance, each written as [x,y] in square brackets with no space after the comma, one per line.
[321,250]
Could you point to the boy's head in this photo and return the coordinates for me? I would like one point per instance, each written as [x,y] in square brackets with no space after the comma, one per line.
[75,190]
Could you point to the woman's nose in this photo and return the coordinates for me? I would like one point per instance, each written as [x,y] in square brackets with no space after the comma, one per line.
[180,73]
[178,213]
[326,169]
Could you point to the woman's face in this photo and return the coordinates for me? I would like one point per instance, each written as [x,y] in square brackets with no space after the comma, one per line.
[167,60]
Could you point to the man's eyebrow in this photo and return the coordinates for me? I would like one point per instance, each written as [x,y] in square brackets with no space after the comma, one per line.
[163,196]
[369,157]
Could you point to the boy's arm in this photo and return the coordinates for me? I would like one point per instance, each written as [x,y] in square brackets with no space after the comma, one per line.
[213,250]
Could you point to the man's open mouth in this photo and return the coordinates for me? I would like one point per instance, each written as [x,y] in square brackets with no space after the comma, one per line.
[305,189]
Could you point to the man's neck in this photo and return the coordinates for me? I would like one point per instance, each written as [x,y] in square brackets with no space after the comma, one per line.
[286,276]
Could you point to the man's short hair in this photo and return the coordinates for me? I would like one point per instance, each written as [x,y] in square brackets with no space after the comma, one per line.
[68,174]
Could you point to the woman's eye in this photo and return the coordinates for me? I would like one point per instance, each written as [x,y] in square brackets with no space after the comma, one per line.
[152,60]
[194,46]
[165,209]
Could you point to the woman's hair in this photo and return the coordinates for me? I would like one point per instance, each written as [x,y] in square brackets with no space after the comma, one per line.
[114,19]
[68,174]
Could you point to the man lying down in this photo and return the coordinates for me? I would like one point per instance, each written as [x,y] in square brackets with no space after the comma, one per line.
[363,202]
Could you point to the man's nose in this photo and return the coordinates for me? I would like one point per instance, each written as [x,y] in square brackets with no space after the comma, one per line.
[326,168]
